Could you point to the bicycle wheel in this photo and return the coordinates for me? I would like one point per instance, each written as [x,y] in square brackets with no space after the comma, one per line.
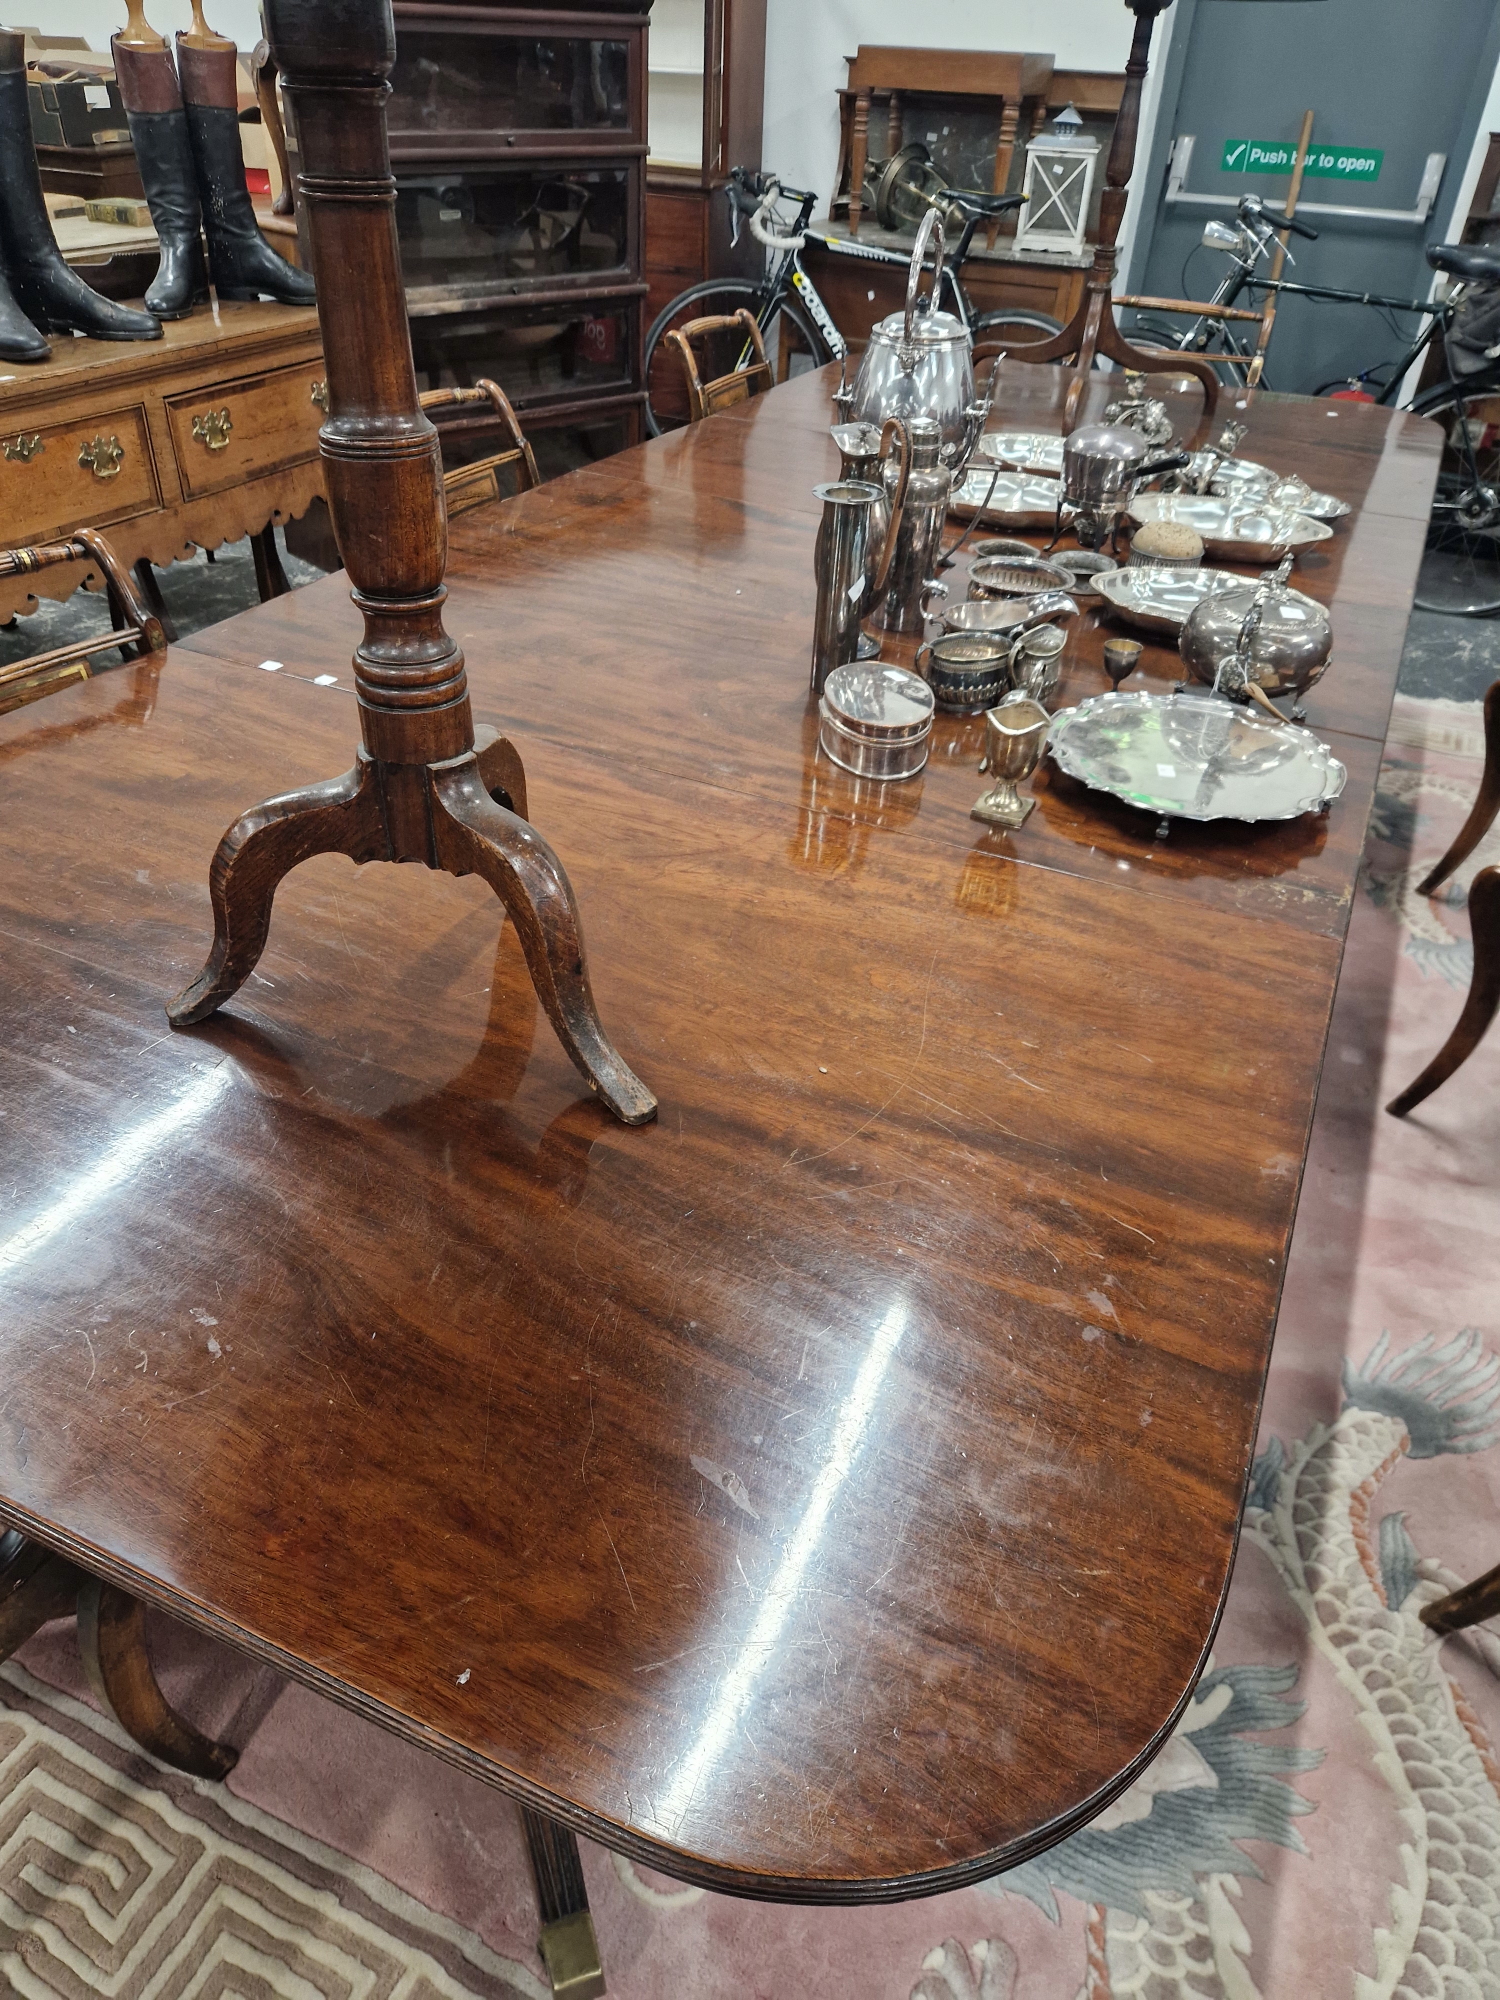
[1460,572]
[792,344]
[1015,331]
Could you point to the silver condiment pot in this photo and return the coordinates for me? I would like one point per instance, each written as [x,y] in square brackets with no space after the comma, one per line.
[919,533]
[1102,466]
[1262,636]
[920,362]
[852,564]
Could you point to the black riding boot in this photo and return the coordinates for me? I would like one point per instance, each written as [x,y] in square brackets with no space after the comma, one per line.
[53,298]
[19,339]
[242,263]
[164,154]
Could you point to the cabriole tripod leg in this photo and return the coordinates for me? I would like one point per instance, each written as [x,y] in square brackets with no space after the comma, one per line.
[112,1640]
[339,817]
[474,836]
[567,1943]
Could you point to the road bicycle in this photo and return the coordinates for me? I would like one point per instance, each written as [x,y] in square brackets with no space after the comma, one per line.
[798,330]
[1461,568]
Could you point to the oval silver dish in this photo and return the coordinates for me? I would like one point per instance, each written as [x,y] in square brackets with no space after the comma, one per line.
[1020,499]
[1195,756]
[1232,530]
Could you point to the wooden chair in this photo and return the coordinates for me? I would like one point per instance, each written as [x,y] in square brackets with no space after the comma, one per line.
[136,629]
[1484,920]
[731,332]
[466,486]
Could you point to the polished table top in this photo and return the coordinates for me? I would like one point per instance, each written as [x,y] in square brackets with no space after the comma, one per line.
[828,1491]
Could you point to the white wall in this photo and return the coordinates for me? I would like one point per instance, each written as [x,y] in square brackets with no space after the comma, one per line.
[98,19]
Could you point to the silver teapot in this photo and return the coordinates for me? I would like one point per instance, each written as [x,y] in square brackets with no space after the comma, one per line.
[1259,640]
[1102,466]
[920,363]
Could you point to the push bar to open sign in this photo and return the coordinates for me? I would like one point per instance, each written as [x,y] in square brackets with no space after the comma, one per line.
[1181,159]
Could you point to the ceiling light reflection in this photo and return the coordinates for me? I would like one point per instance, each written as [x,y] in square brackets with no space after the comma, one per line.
[114,1165]
[733,1696]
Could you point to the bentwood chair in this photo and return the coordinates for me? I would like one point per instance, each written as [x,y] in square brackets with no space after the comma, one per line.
[466,486]
[708,343]
[1484,922]
[136,630]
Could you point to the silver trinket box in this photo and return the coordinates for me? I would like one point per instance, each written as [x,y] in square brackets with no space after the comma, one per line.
[875,720]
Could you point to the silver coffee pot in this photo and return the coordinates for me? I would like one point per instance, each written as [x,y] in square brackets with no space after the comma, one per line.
[919,537]
[920,362]
[851,562]
[1102,466]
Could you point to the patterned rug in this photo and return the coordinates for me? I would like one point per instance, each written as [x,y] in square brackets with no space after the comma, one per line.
[1325,1822]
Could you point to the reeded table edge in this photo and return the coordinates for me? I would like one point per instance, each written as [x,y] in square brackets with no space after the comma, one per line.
[682,1864]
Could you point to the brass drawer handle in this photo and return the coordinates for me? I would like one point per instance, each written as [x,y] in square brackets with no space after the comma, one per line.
[103,456]
[24,447]
[212,429]
[318,394]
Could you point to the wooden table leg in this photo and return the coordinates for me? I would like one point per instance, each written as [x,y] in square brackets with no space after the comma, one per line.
[567,1943]
[1470,1604]
[1005,152]
[1483,1001]
[150,589]
[270,577]
[1482,816]
[112,1640]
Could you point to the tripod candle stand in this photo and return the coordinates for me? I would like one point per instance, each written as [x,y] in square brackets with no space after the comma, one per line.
[422,789]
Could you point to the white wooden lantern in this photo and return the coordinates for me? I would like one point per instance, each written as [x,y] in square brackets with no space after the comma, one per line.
[1059,181]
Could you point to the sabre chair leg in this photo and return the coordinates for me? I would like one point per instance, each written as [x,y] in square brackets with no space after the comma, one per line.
[1482,815]
[150,589]
[112,1640]
[474,836]
[270,578]
[1483,1001]
[567,1943]
[341,816]
[1470,1604]
[36,1586]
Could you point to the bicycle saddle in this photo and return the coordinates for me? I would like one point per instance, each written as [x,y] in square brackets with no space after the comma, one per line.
[981,204]
[1467,260]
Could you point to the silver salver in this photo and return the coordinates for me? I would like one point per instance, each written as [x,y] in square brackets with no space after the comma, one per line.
[1025,451]
[1195,756]
[1233,530]
[1162,600]
[1020,499]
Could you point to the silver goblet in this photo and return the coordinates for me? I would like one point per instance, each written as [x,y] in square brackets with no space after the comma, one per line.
[1015,735]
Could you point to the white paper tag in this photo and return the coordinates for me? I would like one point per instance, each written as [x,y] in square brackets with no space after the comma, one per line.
[1166,770]
[96,96]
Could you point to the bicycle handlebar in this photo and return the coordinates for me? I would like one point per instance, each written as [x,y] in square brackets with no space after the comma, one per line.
[1253,209]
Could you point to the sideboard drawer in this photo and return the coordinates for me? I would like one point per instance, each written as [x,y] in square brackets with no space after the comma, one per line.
[237,430]
[58,477]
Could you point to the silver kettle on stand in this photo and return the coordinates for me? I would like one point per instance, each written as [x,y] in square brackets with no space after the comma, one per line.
[1102,466]
[920,363]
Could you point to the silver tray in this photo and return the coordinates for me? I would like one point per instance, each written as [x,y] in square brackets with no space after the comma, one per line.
[1020,499]
[1238,478]
[1232,530]
[1195,756]
[1162,600]
[1027,451]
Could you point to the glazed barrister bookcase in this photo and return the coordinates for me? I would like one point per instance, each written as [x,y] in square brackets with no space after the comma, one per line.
[518,141]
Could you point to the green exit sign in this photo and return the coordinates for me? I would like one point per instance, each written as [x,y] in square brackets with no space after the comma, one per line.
[1279,156]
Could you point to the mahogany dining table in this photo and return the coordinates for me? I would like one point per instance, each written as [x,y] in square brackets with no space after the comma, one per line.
[829,1491]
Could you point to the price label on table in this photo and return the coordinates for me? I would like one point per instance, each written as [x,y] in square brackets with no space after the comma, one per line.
[1279,156]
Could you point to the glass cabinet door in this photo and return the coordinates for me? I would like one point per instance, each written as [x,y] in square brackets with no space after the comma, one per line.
[539,354]
[449,85]
[482,233]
